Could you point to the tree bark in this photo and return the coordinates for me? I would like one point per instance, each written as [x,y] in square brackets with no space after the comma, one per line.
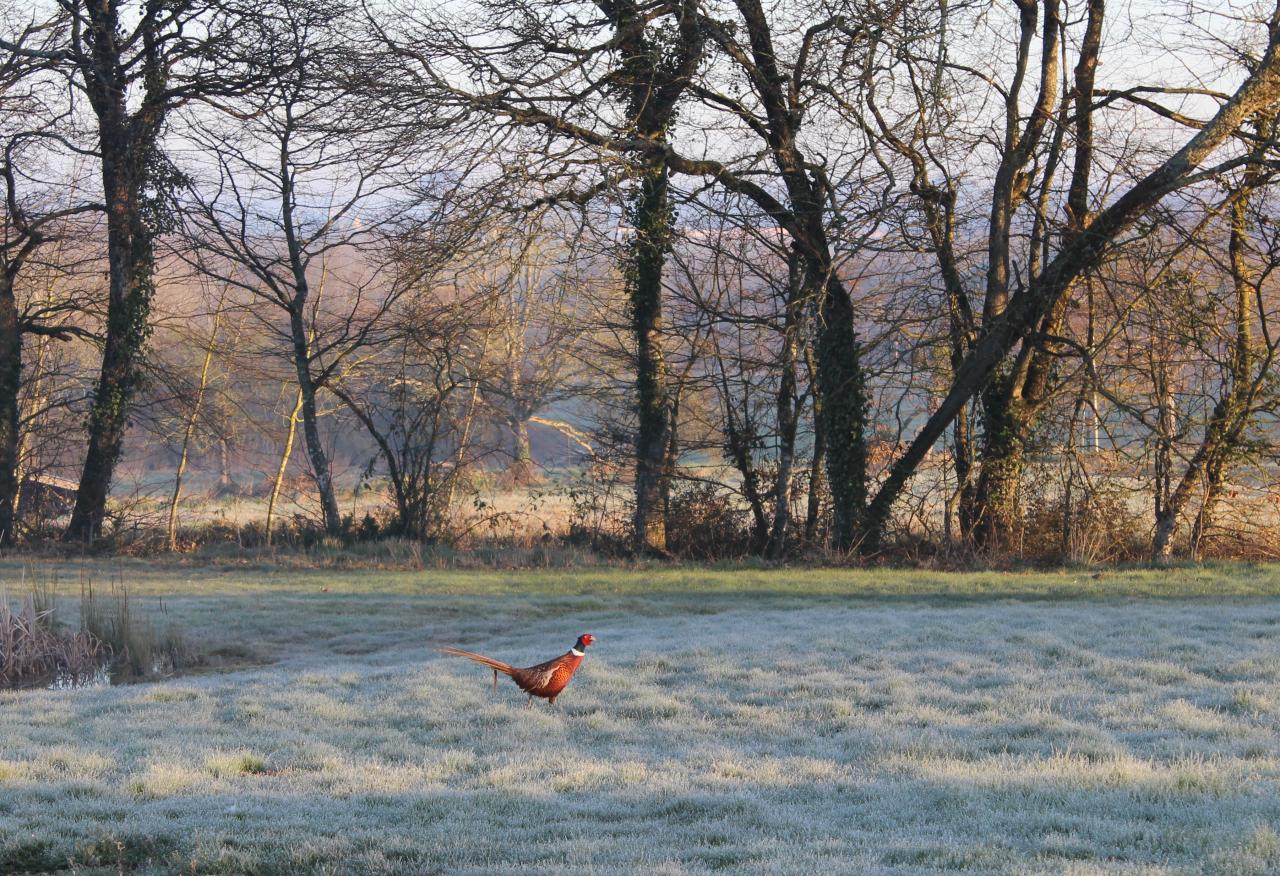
[787,408]
[739,438]
[652,220]
[995,504]
[130,288]
[844,413]
[655,72]
[464,436]
[522,472]
[818,462]
[302,338]
[10,383]
[965,498]
[1231,414]
[278,483]
[310,424]
[840,377]
[131,159]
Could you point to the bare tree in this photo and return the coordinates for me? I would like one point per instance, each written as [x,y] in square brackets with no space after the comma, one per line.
[310,173]
[35,213]
[419,397]
[197,405]
[1211,349]
[604,73]
[537,330]
[1012,377]
[134,63]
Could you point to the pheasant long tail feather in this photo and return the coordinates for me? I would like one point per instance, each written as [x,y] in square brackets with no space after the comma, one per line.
[495,665]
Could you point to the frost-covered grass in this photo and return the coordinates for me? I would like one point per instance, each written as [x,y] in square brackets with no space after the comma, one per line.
[727,721]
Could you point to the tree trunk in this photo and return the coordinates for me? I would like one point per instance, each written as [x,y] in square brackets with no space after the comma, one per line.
[10,382]
[996,494]
[651,216]
[738,441]
[311,427]
[1207,465]
[522,472]
[788,411]
[28,423]
[189,431]
[818,462]
[788,415]
[673,446]
[1011,407]
[464,440]
[1204,518]
[965,498]
[844,412]
[226,482]
[284,464]
[130,288]
[1162,483]
[1226,427]
[655,72]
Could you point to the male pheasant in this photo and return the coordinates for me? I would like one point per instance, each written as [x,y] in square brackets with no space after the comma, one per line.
[546,680]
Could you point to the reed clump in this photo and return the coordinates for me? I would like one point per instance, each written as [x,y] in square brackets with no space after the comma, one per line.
[109,642]
[141,649]
[34,651]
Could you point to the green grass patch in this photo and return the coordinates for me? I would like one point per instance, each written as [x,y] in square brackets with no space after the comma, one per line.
[159,578]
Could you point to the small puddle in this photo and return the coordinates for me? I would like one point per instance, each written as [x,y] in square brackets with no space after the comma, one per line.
[112,674]
[105,675]
[64,680]
[101,677]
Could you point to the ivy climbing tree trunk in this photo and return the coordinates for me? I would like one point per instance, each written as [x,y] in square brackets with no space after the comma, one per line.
[844,413]
[995,495]
[651,220]
[656,69]
[128,147]
[135,62]
[817,462]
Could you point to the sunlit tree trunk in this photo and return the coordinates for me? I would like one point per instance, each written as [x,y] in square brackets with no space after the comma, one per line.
[285,453]
[192,419]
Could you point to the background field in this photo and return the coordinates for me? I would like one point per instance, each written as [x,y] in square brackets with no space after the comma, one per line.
[728,721]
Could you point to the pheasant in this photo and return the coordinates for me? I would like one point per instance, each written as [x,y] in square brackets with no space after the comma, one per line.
[547,680]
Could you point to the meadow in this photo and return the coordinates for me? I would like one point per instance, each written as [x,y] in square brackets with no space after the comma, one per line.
[728,720]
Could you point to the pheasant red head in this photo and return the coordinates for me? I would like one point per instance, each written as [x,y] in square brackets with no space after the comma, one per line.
[583,642]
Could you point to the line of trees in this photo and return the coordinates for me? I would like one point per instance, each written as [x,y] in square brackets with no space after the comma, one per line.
[835,275]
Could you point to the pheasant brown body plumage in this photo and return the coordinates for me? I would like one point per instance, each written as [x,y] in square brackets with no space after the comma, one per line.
[546,680]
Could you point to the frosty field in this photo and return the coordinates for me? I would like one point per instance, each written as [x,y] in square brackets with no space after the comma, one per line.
[735,722]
